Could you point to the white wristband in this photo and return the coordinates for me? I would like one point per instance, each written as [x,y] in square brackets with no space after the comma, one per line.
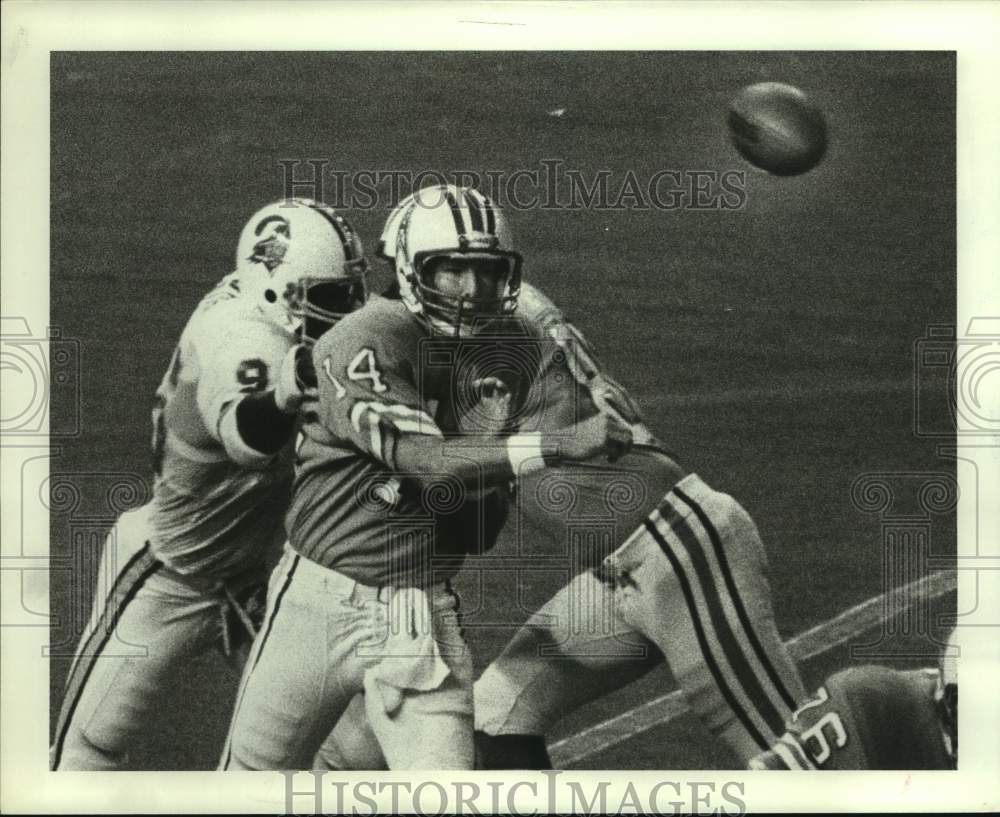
[525,453]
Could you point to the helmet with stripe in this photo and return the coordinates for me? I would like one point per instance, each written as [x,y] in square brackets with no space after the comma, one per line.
[303,264]
[457,223]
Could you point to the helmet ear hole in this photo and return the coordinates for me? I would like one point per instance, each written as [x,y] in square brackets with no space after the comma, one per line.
[270,295]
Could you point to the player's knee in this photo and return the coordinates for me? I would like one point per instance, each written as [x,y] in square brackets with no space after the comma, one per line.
[730,545]
[266,738]
[352,746]
[725,521]
[254,755]
[81,752]
[695,532]
[501,692]
[358,754]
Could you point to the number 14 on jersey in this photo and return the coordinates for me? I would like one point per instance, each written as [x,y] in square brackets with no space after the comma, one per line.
[361,368]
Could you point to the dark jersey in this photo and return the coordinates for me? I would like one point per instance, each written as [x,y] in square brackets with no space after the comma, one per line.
[570,385]
[868,717]
[381,378]
[590,508]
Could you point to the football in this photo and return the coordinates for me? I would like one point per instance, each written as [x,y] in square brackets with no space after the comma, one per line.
[776,128]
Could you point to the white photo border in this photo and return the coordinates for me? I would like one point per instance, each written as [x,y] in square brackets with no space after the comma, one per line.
[32,30]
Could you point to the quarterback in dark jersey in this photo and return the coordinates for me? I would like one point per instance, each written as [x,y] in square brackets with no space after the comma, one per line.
[684,580]
[397,479]
[874,717]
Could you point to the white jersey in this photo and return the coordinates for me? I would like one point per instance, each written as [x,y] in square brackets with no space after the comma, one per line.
[209,515]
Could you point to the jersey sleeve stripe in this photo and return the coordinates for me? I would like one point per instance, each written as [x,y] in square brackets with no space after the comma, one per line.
[389,442]
[366,422]
[412,426]
[402,417]
[375,434]
[358,411]
[383,429]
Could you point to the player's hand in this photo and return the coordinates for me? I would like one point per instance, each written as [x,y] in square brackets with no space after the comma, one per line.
[610,394]
[602,434]
[492,409]
[296,381]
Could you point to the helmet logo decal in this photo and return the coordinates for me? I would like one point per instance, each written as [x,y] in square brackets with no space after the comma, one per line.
[270,250]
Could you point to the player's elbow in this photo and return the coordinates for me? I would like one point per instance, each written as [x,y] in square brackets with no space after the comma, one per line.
[238,448]
[426,462]
[245,456]
[468,474]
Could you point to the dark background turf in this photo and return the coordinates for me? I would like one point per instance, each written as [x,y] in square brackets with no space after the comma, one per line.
[771,346]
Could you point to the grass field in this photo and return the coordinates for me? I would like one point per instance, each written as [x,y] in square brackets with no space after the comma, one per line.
[770,346]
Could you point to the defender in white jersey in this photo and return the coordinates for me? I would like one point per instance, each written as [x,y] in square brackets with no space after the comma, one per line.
[187,569]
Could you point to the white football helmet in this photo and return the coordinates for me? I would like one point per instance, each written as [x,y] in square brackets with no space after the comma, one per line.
[303,264]
[445,221]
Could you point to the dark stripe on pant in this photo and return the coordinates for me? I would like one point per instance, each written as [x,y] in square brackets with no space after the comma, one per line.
[737,600]
[265,633]
[699,632]
[730,646]
[95,635]
[137,570]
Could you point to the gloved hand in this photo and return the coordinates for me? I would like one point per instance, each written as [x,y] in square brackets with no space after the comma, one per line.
[492,409]
[296,380]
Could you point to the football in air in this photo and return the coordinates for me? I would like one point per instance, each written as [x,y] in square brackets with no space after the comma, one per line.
[776,128]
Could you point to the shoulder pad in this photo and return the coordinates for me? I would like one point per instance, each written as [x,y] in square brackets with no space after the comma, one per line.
[381,324]
[536,309]
[232,318]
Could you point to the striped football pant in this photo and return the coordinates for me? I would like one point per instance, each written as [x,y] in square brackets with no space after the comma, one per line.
[146,623]
[325,640]
[690,589]
[690,583]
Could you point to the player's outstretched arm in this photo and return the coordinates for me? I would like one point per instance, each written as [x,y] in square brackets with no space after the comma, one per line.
[367,395]
[258,425]
[478,462]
